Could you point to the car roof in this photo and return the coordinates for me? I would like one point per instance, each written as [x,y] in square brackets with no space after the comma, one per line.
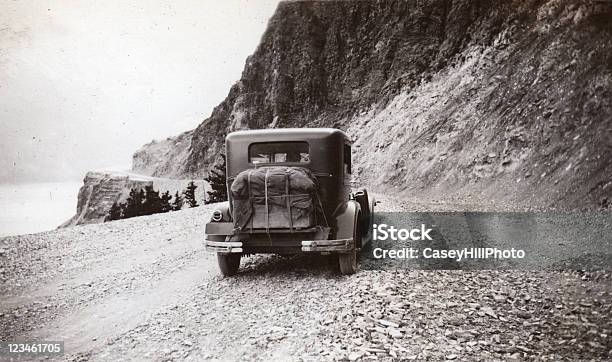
[284,134]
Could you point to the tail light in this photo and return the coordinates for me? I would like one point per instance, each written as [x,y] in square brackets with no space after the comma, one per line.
[217,216]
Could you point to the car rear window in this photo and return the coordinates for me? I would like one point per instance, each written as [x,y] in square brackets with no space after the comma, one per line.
[279,152]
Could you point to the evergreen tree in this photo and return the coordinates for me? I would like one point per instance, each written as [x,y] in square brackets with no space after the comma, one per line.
[152,203]
[189,193]
[115,212]
[141,197]
[133,204]
[142,202]
[177,204]
[217,181]
[165,202]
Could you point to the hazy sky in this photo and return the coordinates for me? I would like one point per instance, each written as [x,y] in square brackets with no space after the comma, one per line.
[83,84]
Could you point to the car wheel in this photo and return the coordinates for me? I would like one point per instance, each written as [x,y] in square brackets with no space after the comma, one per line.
[348,261]
[367,213]
[228,263]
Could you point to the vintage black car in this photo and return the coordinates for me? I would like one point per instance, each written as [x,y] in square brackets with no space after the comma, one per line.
[290,192]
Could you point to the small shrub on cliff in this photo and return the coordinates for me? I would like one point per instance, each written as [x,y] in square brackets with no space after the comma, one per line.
[217,180]
[148,201]
[189,193]
[177,204]
[165,202]
[133,204]
[115,212]
[152,202]
[141,202]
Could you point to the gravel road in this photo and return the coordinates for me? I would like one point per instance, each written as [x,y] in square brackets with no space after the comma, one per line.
[144,288]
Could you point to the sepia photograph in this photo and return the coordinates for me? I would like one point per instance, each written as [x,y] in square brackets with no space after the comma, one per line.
[306,180]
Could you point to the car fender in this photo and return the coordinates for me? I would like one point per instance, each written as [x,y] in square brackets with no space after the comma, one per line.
[223,207]
[347,217]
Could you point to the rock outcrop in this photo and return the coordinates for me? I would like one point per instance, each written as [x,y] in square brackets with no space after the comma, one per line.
[508,99]
[101,189]
[163,158]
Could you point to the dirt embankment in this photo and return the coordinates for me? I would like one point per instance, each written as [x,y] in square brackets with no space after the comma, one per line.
[144,288]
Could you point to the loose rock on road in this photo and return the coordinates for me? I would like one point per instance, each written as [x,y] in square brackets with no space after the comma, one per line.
[144,288]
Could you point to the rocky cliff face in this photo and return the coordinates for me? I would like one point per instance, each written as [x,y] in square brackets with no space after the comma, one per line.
[101,189]
[163,158]
[507,99]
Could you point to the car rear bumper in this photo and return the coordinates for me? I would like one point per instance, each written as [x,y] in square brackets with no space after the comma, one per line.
[307,246]
[223,246]
[222,237]
[337,245]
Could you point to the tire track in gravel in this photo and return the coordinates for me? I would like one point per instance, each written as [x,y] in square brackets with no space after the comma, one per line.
[82,283]
[91,326]
[101,271]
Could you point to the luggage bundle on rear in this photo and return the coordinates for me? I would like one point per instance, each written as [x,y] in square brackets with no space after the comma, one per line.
[274,197]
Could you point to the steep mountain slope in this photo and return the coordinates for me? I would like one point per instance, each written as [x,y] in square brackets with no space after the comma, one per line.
[165,157]
[509,100]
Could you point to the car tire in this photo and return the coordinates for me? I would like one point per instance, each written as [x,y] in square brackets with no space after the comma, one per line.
[228,263]
[348,261]
[366,212]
